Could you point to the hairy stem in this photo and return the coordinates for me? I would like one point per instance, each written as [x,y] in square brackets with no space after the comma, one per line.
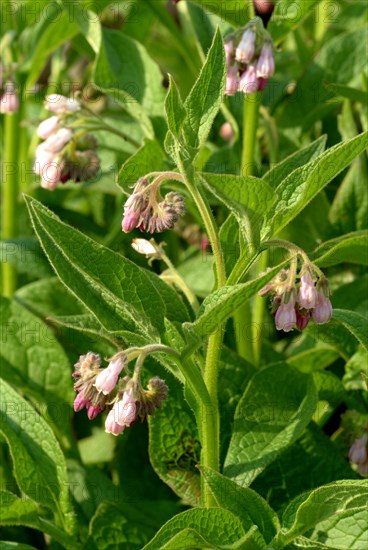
[9,195]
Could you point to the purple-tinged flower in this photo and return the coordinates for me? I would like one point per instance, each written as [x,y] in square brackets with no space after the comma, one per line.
[9,102]
[266,61]
[126,409]
[307,295]
[80,402]
[246,47]
[248,83]
[322,312]
[358,453]
[107,378]
[47,127]
[59,104]
[43,160]
[93,411]
[226,132]
[229,50]
[56,142]
[232,80]
[262,83]
[302,319]
[285,318]
[134,209]
[51,175]
[111,426]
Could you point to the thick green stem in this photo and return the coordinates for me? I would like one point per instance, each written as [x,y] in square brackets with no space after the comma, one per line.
[252,104]
[11,167]
[258,316]
[210,420]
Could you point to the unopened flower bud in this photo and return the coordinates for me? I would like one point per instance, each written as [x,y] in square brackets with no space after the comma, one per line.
[246,47]
[322,312]
[93,411]
[111,426]
[142,246]
[232,81]
[266,61]
[157,391]
[87,165]
[176,201]
[80,402]
[56,142]
[358,453]
[9,102]
[106,380]
[51,174]
[58,104]
[226,132]
[47,127]
[302,319]
[126,409]
[307,295]
[86,142]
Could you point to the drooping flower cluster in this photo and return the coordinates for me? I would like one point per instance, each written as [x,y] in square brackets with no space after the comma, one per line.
[294,304]
[249,59]
[9,102]
[147,210]
[64,154]
[99,389]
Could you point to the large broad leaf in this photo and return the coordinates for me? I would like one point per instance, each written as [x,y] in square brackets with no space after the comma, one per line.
[120,294]
[311,461]
[174,447]
[355,323]
[287,16]
[204,100]
[352,248]
[281,170]
[302,185]
[243,502]
[39,464]
[124,65]
[333,514]
[201,528]
[277,405]
[222,303]
[148,158]
[248,198]
[34,362]
[175,110]
[26,256]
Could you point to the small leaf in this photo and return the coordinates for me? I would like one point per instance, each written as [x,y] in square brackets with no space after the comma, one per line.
[200,528]
[350,93]
[352,248]
[276,406]
[248,198]
[175,110]
[26,256]
[204,100]
[148,158]
[355,323]
[287,17]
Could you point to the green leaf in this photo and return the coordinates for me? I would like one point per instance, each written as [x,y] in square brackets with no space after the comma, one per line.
[242,502]
[316,358]
[39,465]
[54,28]
[222,303]
[280,171]
[350,93]
[287,17]
[311,461]
[302,185]
[6,545]
[174,447]
[335,512]
[115,290]
[110,529]
[36,363]
[248,198]
[204,100]
[356,371]
[352,248]
[175,110]
[124,65]
[355,323]
[200,528]
[148,158]
[17,511]
[229,238]
[233,12]
[276,406]
[26,256]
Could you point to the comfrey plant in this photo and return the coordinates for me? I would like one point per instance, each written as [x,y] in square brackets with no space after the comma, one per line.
[208,281]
